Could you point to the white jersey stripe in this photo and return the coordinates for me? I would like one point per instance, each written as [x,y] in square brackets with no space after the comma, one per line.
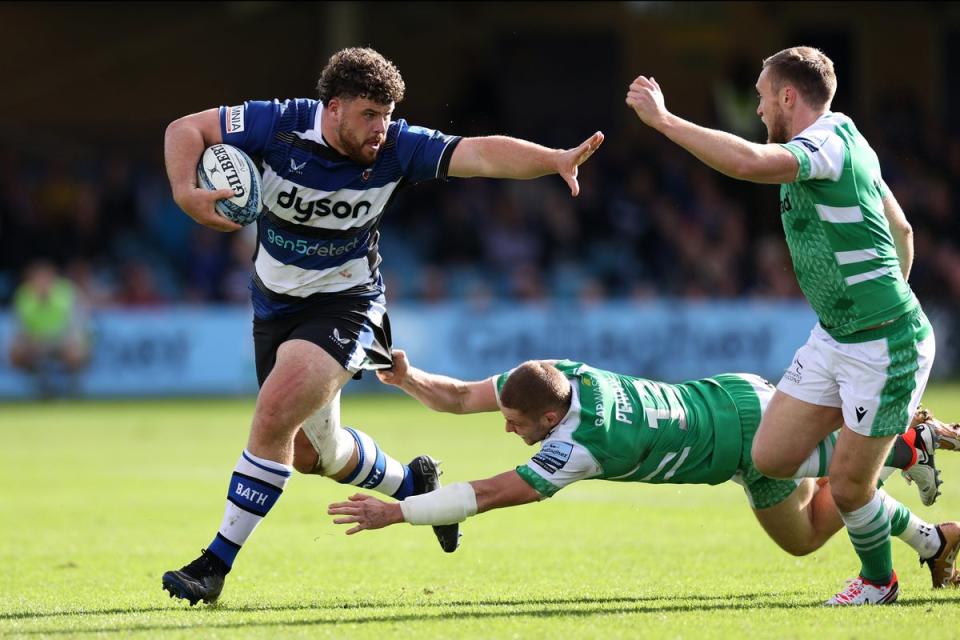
[341,209]
[673,469]
[860,255]
[840,215]
[667,458]
[290,280]
[869,275]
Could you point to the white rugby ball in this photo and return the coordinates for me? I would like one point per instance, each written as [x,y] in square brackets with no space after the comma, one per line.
[223,166]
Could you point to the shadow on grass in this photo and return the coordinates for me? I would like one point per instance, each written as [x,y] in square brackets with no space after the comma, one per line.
[456,610]
[377,604]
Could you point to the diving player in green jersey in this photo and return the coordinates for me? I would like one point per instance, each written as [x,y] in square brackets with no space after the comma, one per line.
[595,424]
[867,360]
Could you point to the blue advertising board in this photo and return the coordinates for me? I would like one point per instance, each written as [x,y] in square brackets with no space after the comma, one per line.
[209,350]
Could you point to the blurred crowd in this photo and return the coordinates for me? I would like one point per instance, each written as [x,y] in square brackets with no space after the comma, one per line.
[650,222]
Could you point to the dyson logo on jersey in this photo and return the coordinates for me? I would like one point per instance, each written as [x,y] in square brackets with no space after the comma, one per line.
[324,207]
[229,170]
[316,249]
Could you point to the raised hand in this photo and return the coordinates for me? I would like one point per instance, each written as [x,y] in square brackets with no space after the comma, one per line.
[646,99]
[571,159]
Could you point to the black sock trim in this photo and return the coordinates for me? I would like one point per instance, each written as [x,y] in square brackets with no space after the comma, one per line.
[227,541]
[244,507]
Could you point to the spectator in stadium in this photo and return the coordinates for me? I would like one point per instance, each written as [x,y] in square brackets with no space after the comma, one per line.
[868,359]
[596,424]
[51,327]
[320,317]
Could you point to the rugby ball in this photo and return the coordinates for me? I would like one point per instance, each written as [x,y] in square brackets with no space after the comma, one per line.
[223,166]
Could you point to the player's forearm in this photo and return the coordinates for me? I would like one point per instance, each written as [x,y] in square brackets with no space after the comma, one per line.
[183,145]
[902,233]
[447,505]
[903,240]
[440,393]
[504,157]
[459,501]
[729,154]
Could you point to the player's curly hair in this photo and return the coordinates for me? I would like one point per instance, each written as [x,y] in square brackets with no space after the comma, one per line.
[809,70]
[360,73]
[534,388]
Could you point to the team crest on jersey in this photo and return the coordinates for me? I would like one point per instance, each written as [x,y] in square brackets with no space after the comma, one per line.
[366,174]
[553,456]
[234,119]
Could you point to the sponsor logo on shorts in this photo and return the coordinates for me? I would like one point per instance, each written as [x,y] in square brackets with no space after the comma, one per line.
[553,456]
[795,374]
[234,119]
[860,413]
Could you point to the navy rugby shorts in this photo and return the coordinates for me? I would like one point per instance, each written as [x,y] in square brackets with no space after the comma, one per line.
[354,331]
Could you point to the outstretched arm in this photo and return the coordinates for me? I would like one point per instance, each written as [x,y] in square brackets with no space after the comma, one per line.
[183,144]
[453,503]
[503,157]
[440,393]
[729,154]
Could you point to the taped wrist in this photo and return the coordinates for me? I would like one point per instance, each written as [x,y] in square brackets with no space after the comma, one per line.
[446,505]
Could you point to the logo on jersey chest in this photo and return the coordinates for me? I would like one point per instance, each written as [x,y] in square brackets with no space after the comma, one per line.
[785,204]
[297,168]
[341,209]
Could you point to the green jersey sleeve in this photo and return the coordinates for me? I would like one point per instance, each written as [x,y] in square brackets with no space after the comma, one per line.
[820,152]
[560,462]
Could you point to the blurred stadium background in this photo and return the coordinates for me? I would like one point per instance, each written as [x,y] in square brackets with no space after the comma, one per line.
[660,268]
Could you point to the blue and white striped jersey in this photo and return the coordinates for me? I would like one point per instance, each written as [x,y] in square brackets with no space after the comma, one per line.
[318,232]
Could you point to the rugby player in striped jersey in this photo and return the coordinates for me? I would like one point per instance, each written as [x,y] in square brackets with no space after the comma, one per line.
[330,169]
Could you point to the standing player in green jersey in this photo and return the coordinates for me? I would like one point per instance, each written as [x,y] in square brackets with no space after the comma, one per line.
[867,360]
[595,424]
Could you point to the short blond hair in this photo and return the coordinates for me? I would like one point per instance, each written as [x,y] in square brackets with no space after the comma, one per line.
[809,70]
[534,388]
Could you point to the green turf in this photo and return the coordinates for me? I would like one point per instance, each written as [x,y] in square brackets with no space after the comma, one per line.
[97,500]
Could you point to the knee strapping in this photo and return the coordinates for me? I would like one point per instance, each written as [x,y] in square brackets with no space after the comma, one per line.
[333,444]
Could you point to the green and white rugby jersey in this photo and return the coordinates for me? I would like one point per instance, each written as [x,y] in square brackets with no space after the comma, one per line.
[635,430]
[842,249]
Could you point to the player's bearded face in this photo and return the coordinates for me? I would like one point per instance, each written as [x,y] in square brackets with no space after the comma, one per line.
[777,125]
[769,109]
[363,128]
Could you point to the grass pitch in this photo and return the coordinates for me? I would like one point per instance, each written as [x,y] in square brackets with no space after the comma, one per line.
[98,499]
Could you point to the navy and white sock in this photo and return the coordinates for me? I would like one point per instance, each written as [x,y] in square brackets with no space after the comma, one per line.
[376,470]
[255,486]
